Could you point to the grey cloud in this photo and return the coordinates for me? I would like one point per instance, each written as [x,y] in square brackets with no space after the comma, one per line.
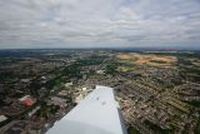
[47,23]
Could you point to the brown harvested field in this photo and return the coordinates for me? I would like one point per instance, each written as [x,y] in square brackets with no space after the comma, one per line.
[150,59]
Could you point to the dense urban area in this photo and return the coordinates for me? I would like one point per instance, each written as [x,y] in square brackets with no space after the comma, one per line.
[158,91]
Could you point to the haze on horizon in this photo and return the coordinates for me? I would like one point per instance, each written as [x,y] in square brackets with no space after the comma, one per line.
[99,23]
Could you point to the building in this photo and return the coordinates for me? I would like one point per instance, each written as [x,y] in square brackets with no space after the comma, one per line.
[27,101]
[3,118]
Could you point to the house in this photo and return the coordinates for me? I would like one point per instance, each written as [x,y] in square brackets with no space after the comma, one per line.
[3,118]
[27,101]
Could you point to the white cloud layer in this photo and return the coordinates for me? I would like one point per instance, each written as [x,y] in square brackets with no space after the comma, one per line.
[99,23]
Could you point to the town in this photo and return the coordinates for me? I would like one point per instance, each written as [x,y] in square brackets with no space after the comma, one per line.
[158,91]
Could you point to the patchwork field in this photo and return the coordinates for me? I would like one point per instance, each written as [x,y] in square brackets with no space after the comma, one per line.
[150,59]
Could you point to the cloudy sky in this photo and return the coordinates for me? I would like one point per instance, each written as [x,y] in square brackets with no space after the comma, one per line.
[99,23]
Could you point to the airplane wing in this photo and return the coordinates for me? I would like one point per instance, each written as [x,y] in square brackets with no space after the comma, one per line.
[97,114]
